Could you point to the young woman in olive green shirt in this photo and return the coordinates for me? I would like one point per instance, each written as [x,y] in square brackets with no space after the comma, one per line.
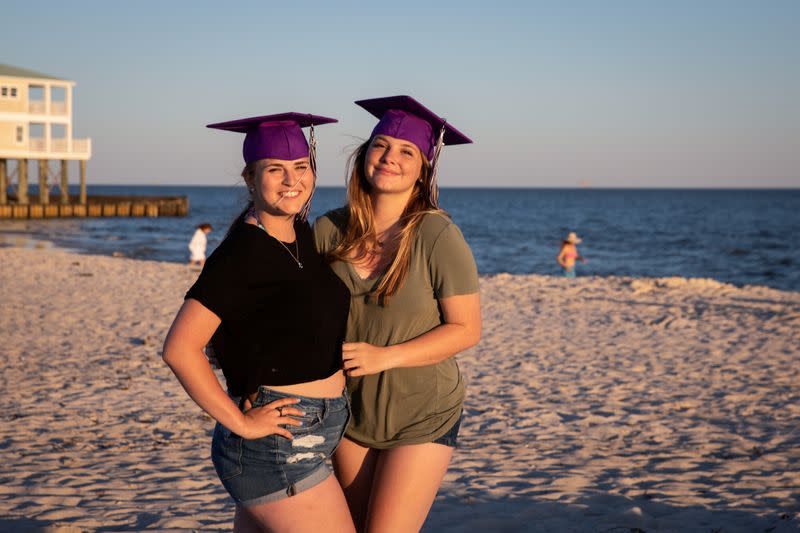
[415,304]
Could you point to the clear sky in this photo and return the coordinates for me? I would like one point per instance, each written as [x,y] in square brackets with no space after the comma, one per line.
[615,93]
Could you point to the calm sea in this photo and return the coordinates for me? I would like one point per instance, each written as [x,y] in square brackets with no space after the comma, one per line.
[737,236]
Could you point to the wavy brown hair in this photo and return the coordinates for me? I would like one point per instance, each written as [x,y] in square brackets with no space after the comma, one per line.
[360,235]
[248,172]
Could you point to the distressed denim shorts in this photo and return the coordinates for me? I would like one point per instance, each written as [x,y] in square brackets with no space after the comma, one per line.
[273,467]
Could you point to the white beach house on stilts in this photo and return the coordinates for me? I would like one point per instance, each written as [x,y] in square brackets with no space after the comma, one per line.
[36,125]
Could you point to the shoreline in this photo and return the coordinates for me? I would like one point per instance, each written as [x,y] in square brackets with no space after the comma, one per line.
[665,404]
[29,242]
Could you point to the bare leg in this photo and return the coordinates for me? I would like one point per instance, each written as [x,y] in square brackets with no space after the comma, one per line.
[320,508]
[244,523]
[404,485]
[354,466]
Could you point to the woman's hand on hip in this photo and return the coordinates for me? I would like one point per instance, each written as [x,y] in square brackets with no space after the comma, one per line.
[269,419]
[362,358]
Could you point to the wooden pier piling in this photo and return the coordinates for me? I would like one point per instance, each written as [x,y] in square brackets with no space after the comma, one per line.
[22,178]
[44,189]
[64,182]
[3,182]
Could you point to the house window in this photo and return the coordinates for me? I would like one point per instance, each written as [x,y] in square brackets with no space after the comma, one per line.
[13,92]
[4,91]
[19,134]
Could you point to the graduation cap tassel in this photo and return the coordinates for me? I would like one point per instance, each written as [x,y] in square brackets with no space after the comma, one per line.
[312,159]
[433,190]
[312,149]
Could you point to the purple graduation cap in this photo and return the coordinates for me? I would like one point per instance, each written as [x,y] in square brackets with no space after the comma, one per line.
[404,118]
[279,137]
[274,136]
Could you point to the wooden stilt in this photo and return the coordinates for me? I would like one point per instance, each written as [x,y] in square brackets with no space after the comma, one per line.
[3,183]
[44,189]
[64,182]
[83,183]
[22,176]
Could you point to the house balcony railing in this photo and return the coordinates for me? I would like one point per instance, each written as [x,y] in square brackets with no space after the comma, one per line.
[39,107]
[79,146]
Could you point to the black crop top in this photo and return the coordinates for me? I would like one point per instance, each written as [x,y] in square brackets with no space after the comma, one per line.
[281,324]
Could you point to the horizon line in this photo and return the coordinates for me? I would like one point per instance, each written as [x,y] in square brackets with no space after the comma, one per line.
[541,187]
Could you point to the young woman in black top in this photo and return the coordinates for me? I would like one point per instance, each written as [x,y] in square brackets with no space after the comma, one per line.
[275,315]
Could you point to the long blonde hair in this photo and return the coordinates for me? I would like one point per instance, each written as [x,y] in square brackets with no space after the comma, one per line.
[360,235]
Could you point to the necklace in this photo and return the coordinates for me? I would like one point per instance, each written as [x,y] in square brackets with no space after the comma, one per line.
[296,255]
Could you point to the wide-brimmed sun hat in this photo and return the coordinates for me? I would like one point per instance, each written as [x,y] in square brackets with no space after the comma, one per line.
[572,238]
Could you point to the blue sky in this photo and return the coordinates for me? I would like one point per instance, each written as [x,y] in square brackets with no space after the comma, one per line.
[617,94]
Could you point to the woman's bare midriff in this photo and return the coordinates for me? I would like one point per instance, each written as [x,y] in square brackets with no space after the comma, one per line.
[330,387]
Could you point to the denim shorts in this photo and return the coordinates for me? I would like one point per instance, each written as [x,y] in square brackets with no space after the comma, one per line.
[273,467]
[451,437]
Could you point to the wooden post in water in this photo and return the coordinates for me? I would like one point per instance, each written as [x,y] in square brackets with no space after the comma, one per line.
[22,176]
[83,182]
[44,189]
[64,182]
[3,183]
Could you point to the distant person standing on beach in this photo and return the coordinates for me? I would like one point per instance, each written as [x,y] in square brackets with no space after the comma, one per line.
[569,254]
[415,304]
[197,246]
[275,315]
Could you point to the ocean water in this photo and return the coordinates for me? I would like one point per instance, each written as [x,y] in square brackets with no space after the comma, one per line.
[736,236]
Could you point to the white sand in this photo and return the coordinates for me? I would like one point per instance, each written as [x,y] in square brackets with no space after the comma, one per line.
[594,405]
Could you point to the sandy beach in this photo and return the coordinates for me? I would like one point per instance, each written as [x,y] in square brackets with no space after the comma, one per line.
[594,405]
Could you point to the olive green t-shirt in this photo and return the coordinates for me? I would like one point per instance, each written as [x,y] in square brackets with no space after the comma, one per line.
[405,405]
